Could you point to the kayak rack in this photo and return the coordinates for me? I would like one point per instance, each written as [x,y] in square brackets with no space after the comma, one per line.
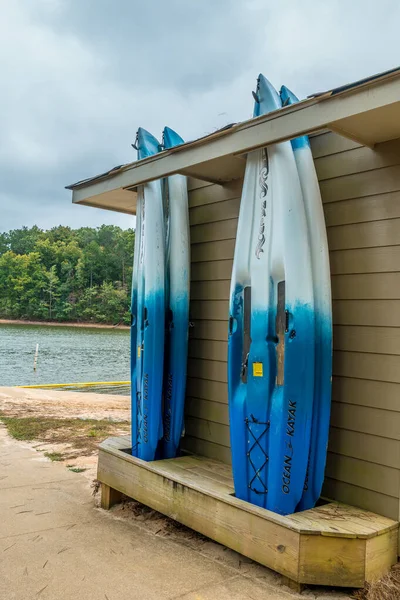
[332,544]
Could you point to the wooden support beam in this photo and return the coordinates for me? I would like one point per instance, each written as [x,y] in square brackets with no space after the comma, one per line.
[295,586]
[109,496]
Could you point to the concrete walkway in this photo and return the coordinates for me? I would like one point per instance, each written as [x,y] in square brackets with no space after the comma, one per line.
[54,545]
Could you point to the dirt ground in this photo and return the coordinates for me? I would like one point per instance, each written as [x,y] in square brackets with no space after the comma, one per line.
[66,426]
[50,403]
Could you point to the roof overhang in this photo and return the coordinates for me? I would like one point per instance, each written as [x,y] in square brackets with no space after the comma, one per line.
[367,112]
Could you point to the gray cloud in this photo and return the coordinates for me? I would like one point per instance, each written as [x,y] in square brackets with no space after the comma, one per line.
[79,77]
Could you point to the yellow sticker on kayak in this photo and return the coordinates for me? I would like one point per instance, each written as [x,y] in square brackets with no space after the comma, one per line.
[138,351]
[257,369]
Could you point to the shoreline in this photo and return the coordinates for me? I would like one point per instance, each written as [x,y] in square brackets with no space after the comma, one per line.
[62,324]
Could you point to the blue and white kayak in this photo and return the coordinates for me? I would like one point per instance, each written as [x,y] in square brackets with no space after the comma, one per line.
[271,329]
[177,303]
[323,314]
[148,312]
[134,315]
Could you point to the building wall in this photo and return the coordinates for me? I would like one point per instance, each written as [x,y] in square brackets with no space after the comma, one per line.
[361,194]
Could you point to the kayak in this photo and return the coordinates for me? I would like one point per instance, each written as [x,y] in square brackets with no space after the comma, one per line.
[323,314]
[148,311]
[271,329]
[177,303]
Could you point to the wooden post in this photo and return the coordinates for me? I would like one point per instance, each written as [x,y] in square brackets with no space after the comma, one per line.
[293,585]
[109,496]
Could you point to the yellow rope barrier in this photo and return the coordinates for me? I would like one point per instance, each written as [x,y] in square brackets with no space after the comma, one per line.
[87,384]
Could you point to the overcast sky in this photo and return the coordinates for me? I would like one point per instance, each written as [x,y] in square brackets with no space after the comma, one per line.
[78,77]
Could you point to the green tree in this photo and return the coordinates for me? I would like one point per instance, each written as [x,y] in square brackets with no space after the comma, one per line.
[4,243]
[22,241]
[52,288]
[66,274]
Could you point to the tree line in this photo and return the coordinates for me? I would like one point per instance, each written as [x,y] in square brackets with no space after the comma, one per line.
[65,274]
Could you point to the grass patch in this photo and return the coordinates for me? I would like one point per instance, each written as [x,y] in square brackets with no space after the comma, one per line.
[32,428]
[54,456]
[77,469]
[94,433]
[82,435]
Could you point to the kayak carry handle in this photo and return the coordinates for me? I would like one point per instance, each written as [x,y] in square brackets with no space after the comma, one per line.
[232,325]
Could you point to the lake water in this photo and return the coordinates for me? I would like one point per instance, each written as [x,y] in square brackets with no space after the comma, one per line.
[66,355]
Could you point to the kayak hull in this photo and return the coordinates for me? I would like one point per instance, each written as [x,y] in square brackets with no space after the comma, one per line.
[271,380]
[149,322]
[323,314]
[271,329]
[178,286]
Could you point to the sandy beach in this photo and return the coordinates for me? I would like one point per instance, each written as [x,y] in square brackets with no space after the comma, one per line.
[67,426]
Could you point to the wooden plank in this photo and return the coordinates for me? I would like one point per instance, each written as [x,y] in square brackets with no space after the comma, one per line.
[371,448]
[361,497]
[192,478]
[358,160]
[217,211]
[379,340]
[365,475]
[117,442]
[215,476]
[207,430]
[335,517]
[369,183]
[220,250]
[310,523]
[380,313]
[214,310]
[210,290]
[375,421]
[327,143]
[248,533]
[208,349]
[214,391]
[364,235]
[365,260]
[370,286]
[109,497]
[188,461]
[209,330]
[366,208]
[380,555]
[332,561]
[216,466]
[212,270]
[208,194]
[207,369]
[207,410]
[212,232]
[376,394]
[380,367]
[209,449]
